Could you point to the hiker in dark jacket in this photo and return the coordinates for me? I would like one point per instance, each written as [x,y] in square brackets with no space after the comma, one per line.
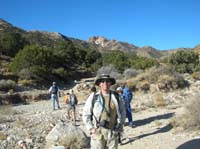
[127,94]
[54,90]
[119,90]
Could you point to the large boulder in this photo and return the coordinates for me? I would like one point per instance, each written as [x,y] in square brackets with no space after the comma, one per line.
[67,135]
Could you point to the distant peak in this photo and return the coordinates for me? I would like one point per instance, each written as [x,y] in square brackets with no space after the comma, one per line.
[100,40]
[4,23]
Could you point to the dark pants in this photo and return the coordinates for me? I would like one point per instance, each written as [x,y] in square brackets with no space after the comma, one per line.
[129,114]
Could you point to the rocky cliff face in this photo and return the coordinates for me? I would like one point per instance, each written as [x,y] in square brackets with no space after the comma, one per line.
[197,48]
[110,45]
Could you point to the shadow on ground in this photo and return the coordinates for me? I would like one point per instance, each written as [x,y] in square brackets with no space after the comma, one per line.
[138,123]
[192,144]
[161,130]
[150,119]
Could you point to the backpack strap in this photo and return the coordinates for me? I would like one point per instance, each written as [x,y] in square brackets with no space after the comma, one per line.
[94,99]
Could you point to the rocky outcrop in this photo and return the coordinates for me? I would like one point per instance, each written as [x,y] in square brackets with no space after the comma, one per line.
[197,49]
[111,45]
[66,135]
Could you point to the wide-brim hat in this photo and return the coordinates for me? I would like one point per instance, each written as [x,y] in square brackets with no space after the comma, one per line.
[104,77]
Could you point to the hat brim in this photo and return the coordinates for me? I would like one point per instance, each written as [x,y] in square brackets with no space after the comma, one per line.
[111,80]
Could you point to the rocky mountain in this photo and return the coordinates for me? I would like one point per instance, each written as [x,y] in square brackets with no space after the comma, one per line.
[197,48]
[107,45]
[99,43]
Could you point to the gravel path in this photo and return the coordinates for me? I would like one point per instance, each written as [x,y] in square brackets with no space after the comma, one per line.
[32,122]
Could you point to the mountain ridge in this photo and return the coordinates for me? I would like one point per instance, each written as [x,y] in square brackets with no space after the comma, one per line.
[99,43]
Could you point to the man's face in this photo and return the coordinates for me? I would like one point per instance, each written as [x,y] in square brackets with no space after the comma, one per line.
[105,85]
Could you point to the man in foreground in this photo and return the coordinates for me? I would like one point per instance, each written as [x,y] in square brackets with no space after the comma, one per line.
[101,115]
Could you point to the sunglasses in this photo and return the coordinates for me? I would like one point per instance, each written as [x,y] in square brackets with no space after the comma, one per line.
[107,81]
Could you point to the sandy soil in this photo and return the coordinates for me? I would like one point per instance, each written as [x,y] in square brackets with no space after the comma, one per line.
[152,126]
[153,131]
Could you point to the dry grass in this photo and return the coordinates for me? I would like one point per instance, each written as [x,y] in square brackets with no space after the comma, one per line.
[26,82]
[6,110]
[6,113]
[3,136]
[190,119]
[196,75]
[159,100]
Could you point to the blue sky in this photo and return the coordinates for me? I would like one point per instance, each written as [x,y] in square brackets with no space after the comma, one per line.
[162,24]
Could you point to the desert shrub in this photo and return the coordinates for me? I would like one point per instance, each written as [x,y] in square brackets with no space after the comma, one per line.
[111,70]
[132,84]
[190,118]
[165,76]
[154,73]
[116,75]
[166,82]
[6,85]
[196,75]
[159,100]
[129,73]
[138,81]
[144,85]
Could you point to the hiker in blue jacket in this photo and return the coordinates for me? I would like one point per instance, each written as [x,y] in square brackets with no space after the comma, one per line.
[54,90]
[127,94]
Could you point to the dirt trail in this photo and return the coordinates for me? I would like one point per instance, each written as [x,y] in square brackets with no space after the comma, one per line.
[153,130]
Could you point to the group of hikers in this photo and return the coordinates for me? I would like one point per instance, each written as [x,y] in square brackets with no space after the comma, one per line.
[104,112]
[70,100]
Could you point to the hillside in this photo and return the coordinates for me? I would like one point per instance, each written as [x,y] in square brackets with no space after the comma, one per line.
[99,43]
[107,45]
[69,58]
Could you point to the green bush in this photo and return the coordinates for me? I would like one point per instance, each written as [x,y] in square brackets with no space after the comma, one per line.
[118,59]
[143,63]
[35,61]
[11,42]
[185,61]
